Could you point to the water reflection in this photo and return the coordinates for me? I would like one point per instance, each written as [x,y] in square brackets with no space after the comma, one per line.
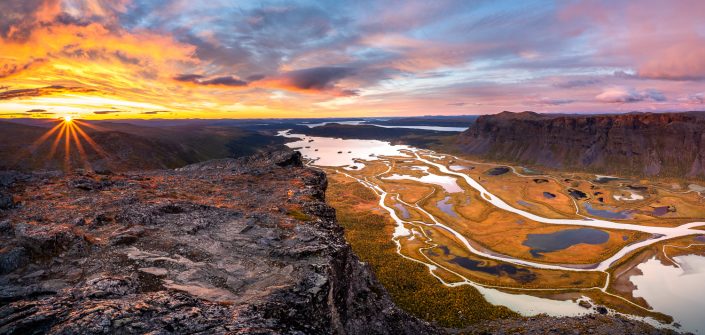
[448,183]
[521,275]
[446,206]
[339,152]
[676,291]
[563,239]
[607,213]
[404,212]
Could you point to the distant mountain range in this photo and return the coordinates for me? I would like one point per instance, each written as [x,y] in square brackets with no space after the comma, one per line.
[636,144]
[641,144]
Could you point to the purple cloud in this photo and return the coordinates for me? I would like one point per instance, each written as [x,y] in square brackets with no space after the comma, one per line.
[217,81]
[628,95]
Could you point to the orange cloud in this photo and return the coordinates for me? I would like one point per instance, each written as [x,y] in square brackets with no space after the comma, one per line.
[76,59]
[42,91]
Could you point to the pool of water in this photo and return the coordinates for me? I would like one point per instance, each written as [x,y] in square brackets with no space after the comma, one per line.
[607,213]
[577,194]
[525,204]
[521,275]
[661,210]
[327,151]
[527,170]
[404,212]
[676,291]
[500,170]
[543,243]
[628,196]
[460,167]
[605,179]
[448,183]
[696,188]
[447,207]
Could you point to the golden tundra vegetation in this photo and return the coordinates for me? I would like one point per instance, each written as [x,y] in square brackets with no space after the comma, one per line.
[432,292]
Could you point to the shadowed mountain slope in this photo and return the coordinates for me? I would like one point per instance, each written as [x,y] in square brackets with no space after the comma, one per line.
[641,144]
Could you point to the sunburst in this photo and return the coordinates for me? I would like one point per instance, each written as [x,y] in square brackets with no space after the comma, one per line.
[69,131]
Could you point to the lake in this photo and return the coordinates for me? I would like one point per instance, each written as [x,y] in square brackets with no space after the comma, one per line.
[677,291]
[327,151]
[543,243]
[607,213]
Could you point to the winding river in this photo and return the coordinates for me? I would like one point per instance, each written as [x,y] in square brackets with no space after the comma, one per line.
[333,152]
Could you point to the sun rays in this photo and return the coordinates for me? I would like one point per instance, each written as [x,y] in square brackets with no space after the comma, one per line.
[77,145]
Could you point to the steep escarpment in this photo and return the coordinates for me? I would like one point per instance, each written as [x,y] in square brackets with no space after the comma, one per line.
[641,144]
[228,246]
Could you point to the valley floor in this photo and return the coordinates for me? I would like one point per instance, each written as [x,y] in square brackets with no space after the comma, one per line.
[458,241]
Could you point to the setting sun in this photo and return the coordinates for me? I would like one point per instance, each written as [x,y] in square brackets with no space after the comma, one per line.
[67,119]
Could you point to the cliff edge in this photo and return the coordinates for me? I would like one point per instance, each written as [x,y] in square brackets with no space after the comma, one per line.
[228,246]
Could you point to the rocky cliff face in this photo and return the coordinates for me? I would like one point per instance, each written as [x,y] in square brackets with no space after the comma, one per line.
[227,246]
[647,144]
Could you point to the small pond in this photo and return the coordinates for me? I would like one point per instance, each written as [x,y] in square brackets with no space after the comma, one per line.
[460,167]
[605,179]
[543,243]
[525,204]
[446,207]
[608,213]
[521,275]
[404,212]
[500,170]
[577,194]
[448,183]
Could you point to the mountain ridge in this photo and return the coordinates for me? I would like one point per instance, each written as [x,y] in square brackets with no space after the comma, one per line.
[639,144]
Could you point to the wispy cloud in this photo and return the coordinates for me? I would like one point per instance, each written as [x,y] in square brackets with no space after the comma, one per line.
[42,91]
[107,112]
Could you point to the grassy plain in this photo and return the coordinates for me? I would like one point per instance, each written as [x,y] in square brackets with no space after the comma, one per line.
[414,268]
[407,281]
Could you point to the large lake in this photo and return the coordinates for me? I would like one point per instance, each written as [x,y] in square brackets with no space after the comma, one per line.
[677,291]
[327,151]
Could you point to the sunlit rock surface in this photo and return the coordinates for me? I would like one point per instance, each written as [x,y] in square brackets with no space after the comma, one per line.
[227,246]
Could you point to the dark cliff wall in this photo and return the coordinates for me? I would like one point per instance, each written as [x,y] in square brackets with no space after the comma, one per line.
[641,144]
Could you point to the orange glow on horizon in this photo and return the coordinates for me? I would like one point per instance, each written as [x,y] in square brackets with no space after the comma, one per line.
[69,131]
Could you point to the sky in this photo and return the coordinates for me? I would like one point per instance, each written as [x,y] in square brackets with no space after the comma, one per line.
[103,59]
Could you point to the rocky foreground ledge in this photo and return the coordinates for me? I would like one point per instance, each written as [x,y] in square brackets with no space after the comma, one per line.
[244,246]
[227,246]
